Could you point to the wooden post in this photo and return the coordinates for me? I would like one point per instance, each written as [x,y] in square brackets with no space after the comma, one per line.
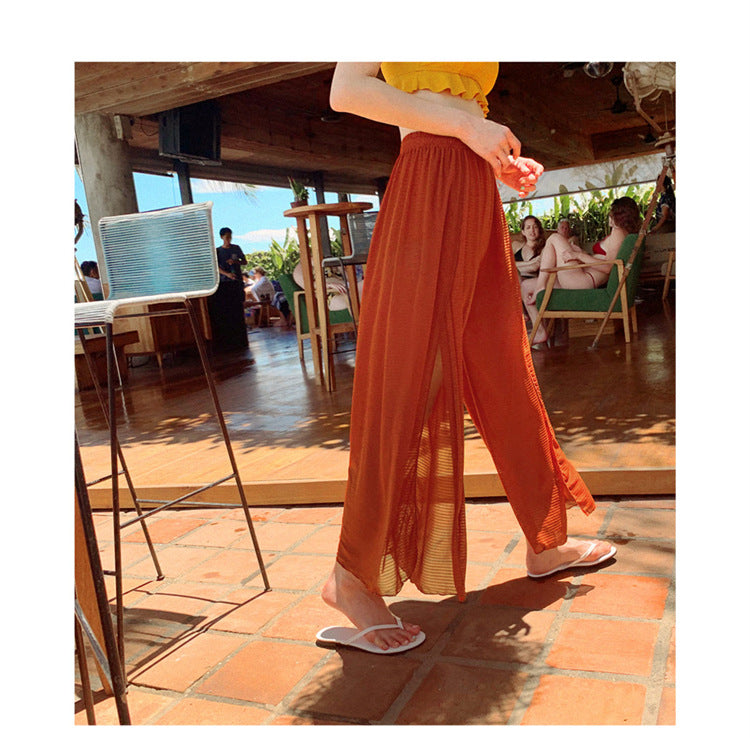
[183,177]
[105,172]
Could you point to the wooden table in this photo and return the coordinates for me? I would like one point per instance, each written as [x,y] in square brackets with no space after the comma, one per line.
[311,258]
[97,345]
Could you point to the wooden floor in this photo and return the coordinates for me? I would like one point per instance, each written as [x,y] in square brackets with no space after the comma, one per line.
[613,410]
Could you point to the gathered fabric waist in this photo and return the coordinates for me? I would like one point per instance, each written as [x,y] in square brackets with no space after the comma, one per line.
[421,140]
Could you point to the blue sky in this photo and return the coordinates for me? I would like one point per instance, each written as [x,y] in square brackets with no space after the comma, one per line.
[254,221]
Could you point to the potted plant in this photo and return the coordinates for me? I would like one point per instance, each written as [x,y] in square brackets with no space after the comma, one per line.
[300,193]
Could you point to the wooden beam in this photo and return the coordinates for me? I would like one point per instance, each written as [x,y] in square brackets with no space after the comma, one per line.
[146,88]
[149,162]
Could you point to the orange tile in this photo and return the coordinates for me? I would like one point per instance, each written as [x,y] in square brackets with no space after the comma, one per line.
[500,634]
[483,546]
[433,618]
[263,671]
[169,605]
[293,571]
[216,533]
[205,591]
[257,514]
[355,685]
[645,557]
[477,576]
[612,646]
[315,515]
[142,707]
[276,536]
[186,662]
[130,554]
[517,556]
[621,594]
[161,530]
[642,523]
[251,613]
[562,700]
[580,524]
[511,587]
[325,541]
[197,711]
[453,694]
[133,588]
[304,620]
[230,566]
[174,560]
[667,707]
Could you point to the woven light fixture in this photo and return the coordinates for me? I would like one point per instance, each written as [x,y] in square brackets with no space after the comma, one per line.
[647,81]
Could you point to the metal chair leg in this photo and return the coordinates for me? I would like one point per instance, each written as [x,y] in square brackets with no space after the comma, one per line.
[200,343]
[88,700]
[123,465]
[116,665]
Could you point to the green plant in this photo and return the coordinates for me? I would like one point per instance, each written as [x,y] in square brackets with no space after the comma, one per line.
[280,258]
[298,190]
[284,256]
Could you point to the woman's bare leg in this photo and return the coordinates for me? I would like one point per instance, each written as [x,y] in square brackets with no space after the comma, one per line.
[528,295]
[344,592]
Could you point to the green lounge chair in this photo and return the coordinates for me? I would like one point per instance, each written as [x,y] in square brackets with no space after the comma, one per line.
[594,303]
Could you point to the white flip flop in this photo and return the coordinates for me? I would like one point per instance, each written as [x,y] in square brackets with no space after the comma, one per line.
[579,562]
[343,636]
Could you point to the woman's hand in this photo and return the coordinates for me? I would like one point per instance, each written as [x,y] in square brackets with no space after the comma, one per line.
[521,174]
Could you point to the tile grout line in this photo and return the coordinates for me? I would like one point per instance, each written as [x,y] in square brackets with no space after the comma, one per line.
[657,679]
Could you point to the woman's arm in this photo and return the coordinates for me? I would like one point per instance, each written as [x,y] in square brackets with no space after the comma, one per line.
[356,89]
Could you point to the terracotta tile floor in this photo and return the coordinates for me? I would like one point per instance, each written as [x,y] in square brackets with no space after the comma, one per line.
[206,645]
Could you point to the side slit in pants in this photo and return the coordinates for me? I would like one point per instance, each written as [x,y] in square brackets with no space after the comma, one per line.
[441,282]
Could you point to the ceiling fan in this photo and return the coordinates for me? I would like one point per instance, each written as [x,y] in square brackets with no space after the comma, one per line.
[595,70]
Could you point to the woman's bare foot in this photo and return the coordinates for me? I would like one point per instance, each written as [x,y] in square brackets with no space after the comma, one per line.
[540,336]
[344,592]
[557,559]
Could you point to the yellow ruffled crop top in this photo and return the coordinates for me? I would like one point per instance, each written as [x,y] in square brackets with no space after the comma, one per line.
[469,80]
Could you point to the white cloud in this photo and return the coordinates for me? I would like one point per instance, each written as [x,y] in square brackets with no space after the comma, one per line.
[264,236]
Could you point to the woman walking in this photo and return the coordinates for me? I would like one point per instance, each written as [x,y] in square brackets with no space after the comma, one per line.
[404,506]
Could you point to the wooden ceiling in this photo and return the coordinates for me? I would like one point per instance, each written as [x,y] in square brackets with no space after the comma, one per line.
[276,122]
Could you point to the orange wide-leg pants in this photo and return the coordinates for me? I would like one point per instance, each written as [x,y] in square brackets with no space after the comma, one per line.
[441,325]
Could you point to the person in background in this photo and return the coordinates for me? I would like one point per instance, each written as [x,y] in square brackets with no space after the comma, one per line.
[666,208]
[226,305]
[529,255]
[624,218]
[564,229]
[90,270]
[465,343]
[261,288]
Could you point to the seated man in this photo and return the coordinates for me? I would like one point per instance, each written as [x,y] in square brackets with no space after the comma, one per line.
[90,271]
[259,290]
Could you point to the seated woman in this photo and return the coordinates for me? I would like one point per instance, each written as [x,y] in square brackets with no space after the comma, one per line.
[624,218]
[528,257]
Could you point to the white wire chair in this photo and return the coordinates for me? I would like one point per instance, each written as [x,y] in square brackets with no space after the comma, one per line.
[360,234]
[158,256]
